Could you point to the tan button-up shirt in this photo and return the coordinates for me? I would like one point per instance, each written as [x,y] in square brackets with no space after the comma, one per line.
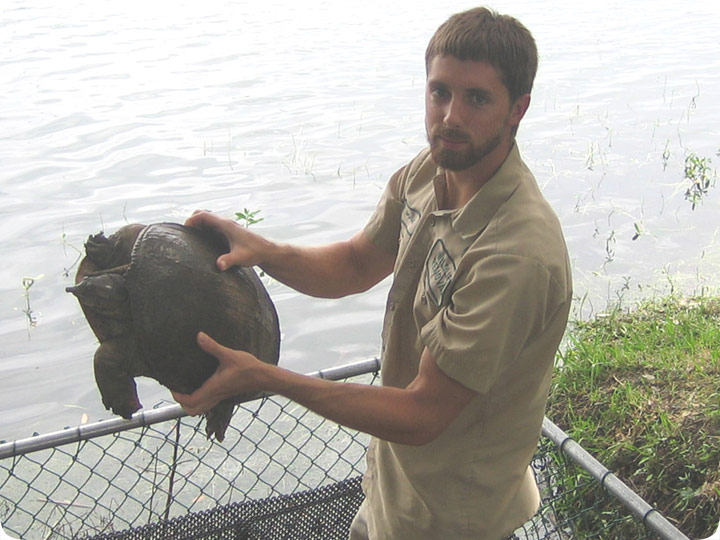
[487,288]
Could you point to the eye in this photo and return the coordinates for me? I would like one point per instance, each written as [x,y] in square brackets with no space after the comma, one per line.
[439,93]
[478,98]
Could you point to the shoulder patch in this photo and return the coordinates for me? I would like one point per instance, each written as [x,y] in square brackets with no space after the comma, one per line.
[439,271]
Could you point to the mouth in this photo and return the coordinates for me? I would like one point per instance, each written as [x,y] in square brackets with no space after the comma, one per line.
[451,139]
[452,143]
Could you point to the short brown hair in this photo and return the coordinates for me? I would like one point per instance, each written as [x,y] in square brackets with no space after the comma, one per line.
[483,35]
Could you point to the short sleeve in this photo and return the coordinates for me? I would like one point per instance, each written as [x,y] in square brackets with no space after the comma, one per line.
[500,303]
[383,227]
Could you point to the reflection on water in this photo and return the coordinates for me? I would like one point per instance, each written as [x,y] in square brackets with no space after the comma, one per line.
[132,113]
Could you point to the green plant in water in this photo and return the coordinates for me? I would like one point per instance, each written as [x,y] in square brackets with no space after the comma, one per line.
[78,254]
[666,155]
[639,230]
[701,177]
[248,216]
[27,283]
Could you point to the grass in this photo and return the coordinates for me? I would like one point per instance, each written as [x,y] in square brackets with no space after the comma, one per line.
[639,390]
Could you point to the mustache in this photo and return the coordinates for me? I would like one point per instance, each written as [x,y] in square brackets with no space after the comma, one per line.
[451,134]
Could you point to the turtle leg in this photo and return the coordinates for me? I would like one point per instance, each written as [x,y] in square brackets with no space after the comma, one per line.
[114,380]
[115,250]
[217,420]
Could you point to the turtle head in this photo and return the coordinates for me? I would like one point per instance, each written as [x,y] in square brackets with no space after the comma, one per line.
[104,293]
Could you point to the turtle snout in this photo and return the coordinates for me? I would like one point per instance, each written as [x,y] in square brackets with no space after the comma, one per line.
[105,293]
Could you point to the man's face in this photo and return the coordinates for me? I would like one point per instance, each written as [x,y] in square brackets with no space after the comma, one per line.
[468,113]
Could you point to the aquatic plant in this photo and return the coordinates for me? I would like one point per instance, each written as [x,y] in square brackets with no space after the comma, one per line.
[27,283]
[248,216]
[79,254]
[701,177]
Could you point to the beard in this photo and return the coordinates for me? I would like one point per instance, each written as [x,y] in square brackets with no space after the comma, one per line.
[459,160]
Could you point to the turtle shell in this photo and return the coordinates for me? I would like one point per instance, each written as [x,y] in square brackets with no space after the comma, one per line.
[146,292]
[175,290]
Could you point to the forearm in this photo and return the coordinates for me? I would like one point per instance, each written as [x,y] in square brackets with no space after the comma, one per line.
[315,271]
[388,413]
[329,271]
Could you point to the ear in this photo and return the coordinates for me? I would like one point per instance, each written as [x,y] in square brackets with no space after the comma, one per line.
[518,109]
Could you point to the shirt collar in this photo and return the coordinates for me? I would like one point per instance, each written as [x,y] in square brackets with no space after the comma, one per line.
[472,218]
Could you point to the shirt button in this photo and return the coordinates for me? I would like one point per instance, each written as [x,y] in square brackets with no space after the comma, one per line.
[411,264]
[432,222]
[392,306]
[423,299]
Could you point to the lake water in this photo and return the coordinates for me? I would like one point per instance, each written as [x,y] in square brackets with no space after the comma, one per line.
[142,112]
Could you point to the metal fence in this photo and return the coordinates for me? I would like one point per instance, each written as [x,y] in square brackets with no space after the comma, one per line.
[158,470]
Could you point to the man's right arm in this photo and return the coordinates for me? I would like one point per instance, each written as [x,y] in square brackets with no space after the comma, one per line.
[329,271]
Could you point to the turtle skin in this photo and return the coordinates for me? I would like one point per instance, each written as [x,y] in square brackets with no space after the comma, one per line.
[146,291]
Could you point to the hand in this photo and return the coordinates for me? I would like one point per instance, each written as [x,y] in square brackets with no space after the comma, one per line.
[246,247]
[234,375]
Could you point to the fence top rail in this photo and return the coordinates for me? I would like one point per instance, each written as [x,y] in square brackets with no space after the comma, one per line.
[649,515]
[153,416]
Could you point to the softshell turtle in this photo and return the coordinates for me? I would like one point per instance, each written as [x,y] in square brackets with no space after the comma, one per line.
[146,291]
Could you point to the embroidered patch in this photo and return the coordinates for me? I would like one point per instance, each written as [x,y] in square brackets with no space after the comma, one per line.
[439,271]
[409,219]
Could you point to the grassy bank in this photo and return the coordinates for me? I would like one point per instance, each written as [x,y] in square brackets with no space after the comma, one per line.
[641,391]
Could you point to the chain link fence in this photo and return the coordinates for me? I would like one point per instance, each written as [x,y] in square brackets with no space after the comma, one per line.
[282,472]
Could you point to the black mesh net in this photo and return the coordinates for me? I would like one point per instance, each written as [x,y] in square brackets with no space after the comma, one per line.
[320,514]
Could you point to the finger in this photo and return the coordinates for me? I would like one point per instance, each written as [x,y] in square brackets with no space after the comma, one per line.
[182,399]
[223,262]
[210,346]
[194,218]
[200,218]
[186,402]
[206,219]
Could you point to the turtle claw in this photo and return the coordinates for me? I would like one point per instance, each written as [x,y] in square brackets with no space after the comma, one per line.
[123,402]
[104,252]
[126,410]
[123,407]
[217,420]
[96,246]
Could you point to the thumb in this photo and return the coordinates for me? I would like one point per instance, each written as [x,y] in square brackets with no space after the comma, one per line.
[209,345]
[223,262]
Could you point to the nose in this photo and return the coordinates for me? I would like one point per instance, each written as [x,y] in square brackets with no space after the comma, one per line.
[452,113]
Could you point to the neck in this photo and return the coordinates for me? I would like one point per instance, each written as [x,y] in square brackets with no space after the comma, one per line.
[461,186]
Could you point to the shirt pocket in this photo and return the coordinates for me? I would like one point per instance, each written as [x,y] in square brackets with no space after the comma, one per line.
[409,219]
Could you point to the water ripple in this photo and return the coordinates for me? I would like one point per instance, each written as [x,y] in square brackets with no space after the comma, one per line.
[130,112]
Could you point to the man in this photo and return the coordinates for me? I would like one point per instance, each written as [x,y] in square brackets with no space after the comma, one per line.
[476,311]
